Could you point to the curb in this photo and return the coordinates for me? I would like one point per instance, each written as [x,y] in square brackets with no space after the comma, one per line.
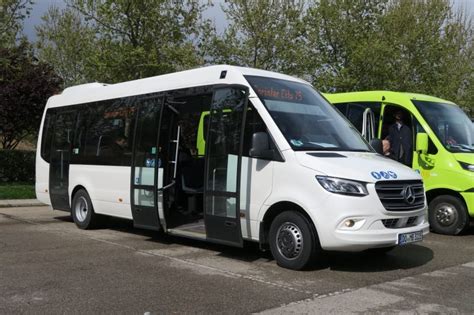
[20,203]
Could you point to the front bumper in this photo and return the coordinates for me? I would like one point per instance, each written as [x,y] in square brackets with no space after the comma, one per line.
[373,227]
[364,239]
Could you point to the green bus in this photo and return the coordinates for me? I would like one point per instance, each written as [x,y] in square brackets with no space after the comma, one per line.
[442,142]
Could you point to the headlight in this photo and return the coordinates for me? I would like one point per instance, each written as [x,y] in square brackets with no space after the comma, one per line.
[467,166]
[342,186]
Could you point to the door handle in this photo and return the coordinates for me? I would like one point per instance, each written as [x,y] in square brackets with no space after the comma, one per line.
[230,223]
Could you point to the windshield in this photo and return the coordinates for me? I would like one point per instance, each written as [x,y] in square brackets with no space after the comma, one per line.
[450,124]
[305,118]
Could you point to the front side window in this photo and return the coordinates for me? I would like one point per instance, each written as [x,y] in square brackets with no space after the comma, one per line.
[305,118]
[450,124]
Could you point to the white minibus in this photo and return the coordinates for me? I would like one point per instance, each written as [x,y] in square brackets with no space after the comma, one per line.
[226,154]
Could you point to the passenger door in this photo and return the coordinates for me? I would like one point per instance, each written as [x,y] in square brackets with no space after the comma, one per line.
[145,176]
[223,165]
[63,135]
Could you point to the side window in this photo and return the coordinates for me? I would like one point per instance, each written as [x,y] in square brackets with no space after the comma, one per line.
[114,144]
[46,138]
[432,149]
[104,133]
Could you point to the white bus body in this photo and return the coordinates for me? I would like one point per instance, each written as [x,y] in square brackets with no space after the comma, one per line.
[191,145]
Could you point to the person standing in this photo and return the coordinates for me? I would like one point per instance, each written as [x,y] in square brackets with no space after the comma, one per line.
[401,142]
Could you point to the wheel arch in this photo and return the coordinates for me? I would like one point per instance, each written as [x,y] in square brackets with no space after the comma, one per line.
[75,190]
[273,211]
[433,193]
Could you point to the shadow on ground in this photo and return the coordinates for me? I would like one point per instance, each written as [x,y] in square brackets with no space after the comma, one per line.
[405,257]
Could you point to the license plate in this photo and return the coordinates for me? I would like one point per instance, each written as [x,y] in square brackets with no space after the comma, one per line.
[411,237]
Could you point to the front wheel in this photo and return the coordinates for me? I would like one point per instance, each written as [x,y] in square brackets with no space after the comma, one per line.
[293,241]
[448,215]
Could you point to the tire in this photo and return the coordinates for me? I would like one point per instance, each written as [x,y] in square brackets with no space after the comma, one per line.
[381,250]
[448,215]
[293,241]
[83,212]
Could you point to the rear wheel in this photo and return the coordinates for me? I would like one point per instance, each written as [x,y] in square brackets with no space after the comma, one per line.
[83,212]
[293,241]
[448,215]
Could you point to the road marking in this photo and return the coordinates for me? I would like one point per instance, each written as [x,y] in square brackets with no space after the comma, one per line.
[470,264]
[407,294]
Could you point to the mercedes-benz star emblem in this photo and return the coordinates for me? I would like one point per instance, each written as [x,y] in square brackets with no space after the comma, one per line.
[409,195]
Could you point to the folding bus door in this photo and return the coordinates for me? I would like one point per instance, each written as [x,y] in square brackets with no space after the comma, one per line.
[223,165]
[63,135]
[145,164]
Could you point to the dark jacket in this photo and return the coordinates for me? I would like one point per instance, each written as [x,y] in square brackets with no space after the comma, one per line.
[401,144]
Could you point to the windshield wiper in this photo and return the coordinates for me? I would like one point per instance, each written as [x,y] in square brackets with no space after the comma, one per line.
[461,147]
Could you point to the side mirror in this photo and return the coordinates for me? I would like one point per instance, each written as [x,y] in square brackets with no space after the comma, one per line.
[260,146]
[377,145]
[422,143]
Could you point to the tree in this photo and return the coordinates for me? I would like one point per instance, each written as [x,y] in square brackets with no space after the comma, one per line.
[12,15]
[336,32]
[403,45]
[25,85]
[266,34]
[425,47]
[67,43]
[132,39]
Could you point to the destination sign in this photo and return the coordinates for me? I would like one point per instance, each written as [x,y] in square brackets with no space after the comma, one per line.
[283,94]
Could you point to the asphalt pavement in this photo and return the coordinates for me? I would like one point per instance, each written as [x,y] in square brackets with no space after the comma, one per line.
[47,265]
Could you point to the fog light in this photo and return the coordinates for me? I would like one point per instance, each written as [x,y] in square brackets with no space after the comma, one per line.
[349,223]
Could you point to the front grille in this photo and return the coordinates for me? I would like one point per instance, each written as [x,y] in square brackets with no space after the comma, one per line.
[399,223]
[411,221]
[390,223]
[401,195]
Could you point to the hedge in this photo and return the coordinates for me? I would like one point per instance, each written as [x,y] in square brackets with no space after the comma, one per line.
[17,166]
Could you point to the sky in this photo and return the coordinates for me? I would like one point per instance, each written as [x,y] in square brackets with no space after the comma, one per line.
[214,13]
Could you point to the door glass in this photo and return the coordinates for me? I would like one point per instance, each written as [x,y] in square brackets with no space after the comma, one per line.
[60,157]
[146,152]
[224,144]
[62,139]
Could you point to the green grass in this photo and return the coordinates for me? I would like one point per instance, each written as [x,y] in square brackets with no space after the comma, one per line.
[17,191]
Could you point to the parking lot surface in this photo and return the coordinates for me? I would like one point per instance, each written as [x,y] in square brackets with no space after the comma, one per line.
[47,265]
